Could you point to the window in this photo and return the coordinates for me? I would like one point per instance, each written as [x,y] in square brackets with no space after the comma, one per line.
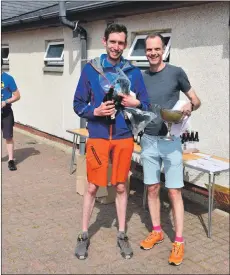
[137,49]
[5,54]
[54,55]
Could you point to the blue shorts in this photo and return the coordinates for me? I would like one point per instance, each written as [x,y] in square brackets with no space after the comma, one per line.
[155,151]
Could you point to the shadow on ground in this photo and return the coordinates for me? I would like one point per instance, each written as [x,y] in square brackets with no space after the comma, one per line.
[21,154]
[107,216]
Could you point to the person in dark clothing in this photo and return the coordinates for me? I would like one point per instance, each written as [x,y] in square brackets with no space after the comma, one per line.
[9,95]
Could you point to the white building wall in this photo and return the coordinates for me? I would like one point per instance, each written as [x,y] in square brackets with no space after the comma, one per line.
[200,37]
[200,45]
[46,97]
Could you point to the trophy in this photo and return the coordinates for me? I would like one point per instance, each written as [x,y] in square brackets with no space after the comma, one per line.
[171,116]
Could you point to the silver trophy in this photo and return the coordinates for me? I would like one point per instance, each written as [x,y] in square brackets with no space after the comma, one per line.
[170,116]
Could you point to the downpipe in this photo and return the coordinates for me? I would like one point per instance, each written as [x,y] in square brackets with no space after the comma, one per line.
[77,31]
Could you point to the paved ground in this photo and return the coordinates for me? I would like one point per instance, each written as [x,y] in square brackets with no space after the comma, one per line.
[41,216]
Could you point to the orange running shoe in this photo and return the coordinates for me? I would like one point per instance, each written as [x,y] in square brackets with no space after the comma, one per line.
[177,254]
[153,238]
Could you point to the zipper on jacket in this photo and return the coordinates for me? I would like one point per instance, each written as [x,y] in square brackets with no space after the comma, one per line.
[110,131]
[95,155]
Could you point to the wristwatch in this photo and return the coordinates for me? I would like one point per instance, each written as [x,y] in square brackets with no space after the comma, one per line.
[6,101]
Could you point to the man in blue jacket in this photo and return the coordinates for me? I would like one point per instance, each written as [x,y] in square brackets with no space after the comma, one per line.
[9,95]
[105,139]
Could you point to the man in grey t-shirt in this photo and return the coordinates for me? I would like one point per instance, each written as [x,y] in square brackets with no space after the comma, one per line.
[164,83]
[164,89]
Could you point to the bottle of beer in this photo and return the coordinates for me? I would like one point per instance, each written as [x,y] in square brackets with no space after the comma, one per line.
[186,140]
[196,137]
[183,141]
[139,136]
[191,140]
[108,97]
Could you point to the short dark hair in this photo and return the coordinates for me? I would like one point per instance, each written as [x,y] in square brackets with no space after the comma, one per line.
[115,28]
[153,35]
[2,62]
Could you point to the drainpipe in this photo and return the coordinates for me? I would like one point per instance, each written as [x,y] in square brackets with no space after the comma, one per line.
[77,31]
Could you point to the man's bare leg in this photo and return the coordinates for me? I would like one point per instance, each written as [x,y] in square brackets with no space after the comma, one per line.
[177,210]
[88,205]
[121,207]
[156,235]
[154,203]
[177,254]
[10,148]
[83,242]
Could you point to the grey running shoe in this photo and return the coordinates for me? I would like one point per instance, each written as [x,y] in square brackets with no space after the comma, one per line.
[81,251]
[123,243]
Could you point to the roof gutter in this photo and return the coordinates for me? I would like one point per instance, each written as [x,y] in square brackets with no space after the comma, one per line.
[77,30]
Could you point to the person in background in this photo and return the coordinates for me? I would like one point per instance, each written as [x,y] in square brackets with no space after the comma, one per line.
[105,139]
[164,83]
[9,95]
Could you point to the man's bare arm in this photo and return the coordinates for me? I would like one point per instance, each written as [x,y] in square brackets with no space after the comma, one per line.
[191,94]
[193,104]
[15,97]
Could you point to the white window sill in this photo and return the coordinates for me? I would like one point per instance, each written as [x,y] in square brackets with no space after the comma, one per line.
[55,69]
[5,67]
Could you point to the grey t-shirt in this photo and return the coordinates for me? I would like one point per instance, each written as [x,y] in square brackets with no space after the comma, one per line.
[164,90]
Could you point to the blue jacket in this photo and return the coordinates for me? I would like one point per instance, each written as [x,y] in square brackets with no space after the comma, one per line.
[89,95]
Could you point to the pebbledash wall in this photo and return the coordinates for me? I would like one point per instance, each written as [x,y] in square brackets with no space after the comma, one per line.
[200,44]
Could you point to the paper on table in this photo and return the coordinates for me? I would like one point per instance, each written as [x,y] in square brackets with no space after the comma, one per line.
[179,128]
[209,164]
[204,156]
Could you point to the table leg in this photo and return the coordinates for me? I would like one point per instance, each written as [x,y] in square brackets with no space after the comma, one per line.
[73,153]
[145,195]
[82,146]
[211,189]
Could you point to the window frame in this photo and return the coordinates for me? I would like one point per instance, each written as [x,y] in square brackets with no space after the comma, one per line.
[6,59]
[55,60]
[144,58]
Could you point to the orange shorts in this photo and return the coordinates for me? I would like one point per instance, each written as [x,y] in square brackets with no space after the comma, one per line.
[98,155]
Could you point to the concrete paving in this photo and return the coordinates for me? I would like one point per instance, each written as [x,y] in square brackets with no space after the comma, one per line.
[41,217]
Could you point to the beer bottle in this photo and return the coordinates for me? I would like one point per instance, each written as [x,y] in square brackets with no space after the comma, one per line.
[109,97]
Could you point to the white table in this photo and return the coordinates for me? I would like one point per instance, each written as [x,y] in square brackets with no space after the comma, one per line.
[186,157]
[211,187]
